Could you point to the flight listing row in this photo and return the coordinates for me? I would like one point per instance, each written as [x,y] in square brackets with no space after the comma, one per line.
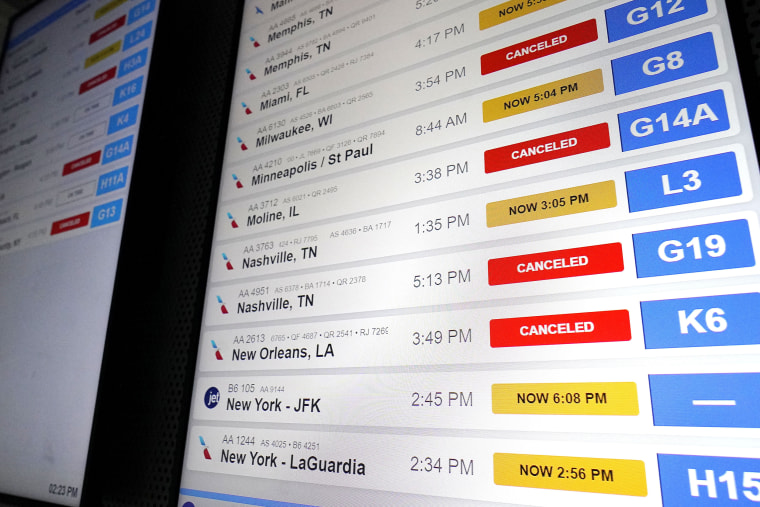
[685,250]
[309,227]
[594,144]
[717,401]
[693,322]
[522,471]
[404,34]
[527,104]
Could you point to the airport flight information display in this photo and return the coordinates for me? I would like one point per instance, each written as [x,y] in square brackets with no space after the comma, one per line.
[485,252]
[71,97]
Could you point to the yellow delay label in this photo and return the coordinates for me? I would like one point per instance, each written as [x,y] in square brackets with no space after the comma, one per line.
[511,10]
[578,398]
[568,473]
[567,201]
[549,94]
[108,8]
[103,54]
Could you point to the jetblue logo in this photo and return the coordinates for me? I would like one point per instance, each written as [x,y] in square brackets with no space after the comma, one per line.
[212,397]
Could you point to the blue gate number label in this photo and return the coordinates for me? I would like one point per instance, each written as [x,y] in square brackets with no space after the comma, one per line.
[127,91]
[706,400]
[692,481]
[639,16]
[677,60]
[133,62]
[140,10]
[118,149]
[709,247]
[137,36]
[106,213]
[684,182]
[112,180]
[122,119]
[710,321]
[678,119]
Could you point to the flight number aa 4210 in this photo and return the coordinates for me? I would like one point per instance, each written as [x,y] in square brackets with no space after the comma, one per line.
[269,164]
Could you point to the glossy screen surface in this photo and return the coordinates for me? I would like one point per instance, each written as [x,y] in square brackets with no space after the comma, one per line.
[482,252]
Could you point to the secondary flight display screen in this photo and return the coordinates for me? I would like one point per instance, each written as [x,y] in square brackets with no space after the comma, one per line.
[482,252]
[72,82]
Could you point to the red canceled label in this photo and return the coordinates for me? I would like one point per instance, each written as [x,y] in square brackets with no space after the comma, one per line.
[544,45]
[564,144]
[589,327]
[587,260]
[70,223]
[81,163]
[97,80]
[109,28]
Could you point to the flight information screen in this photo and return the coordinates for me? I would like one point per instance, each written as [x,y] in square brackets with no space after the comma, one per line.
[484,252]
[72,82]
